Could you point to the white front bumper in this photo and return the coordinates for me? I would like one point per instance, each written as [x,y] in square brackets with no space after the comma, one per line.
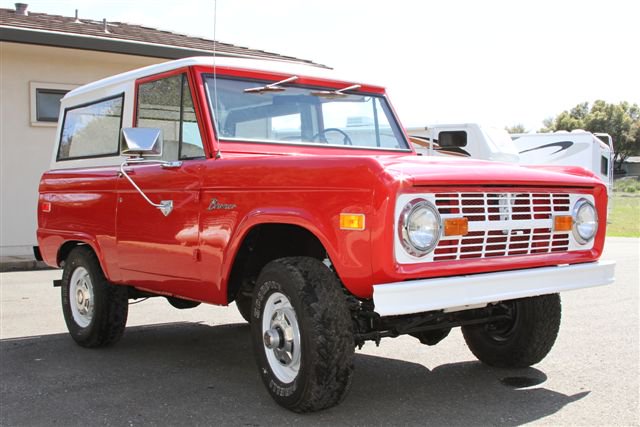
[416,296]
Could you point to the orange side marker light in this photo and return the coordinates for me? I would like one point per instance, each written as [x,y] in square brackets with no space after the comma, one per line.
[562,223]
[456,226]
[349,221]
[46,207]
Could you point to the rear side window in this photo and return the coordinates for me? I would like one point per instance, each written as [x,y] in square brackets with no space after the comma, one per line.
[91,130]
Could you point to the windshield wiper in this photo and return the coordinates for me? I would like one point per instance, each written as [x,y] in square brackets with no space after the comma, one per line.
[273,87]
[335,93]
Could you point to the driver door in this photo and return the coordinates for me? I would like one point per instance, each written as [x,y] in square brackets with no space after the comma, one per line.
[158,252]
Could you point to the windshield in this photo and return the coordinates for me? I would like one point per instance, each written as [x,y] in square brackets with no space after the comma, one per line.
[264,112]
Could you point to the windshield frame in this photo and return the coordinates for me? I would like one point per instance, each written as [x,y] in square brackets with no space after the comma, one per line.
[389,112]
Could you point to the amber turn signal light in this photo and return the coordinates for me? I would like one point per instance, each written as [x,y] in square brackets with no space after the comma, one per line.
[562,223]
[456,226]
[350,221]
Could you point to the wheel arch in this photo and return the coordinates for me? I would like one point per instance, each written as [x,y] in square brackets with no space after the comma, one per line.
[65,249]
[264,241]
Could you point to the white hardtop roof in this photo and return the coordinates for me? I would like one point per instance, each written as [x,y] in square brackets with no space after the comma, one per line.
[284,67]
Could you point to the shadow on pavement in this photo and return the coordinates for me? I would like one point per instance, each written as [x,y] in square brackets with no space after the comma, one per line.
[194,374]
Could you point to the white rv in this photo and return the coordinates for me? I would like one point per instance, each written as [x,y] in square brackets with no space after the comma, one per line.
[577,148]
[464,140]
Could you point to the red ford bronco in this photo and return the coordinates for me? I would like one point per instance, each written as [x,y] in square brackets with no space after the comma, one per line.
[297,195]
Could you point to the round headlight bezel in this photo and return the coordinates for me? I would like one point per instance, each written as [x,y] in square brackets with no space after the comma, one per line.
[583,204]
[408,211]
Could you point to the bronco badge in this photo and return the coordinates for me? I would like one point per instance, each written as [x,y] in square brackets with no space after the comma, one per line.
[214,205]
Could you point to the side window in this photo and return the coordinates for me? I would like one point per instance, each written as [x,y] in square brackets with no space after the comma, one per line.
[604,166]
[167,104]
[91,130]
[191,146]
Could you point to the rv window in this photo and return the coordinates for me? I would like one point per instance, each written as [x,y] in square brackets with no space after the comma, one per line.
[452,138]
[91,130]
[604,166]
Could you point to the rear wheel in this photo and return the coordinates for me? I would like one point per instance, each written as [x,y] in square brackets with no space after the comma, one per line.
[302,334]
[522,340]
[95,311]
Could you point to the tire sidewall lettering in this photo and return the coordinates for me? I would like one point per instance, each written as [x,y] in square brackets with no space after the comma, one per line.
[283,390]
[265,290]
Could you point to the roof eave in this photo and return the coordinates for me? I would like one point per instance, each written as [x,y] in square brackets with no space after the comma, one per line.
[110,45]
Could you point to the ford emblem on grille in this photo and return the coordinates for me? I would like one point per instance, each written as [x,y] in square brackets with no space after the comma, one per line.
[504,202]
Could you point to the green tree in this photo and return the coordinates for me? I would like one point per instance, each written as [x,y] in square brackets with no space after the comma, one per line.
[621,121]
[517,128]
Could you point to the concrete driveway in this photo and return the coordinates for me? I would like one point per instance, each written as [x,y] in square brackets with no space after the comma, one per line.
[196,367]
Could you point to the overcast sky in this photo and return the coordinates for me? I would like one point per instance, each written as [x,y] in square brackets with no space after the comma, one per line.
[493,62]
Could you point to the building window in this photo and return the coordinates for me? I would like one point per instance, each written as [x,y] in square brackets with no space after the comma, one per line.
[45,102]
[48,104]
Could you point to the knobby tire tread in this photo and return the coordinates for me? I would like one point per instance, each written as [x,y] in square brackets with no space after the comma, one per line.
[536,336]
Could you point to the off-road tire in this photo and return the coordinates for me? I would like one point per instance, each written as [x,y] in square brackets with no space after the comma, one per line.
[326,333]
[243,304]
[110,302]
[529,337]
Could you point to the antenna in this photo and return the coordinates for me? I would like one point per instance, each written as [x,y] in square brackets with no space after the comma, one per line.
[215,78]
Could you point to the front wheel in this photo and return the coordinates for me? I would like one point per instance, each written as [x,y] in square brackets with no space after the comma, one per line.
[95,310]
[302,334]
[522,340]
[243,304]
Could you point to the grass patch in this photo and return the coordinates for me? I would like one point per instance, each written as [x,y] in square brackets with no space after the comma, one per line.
[629,185]
[624,220]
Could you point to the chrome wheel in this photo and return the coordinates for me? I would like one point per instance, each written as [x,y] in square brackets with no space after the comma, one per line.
[281,337]
[81,297]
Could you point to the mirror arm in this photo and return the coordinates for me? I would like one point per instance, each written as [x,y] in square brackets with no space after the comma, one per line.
[165,206]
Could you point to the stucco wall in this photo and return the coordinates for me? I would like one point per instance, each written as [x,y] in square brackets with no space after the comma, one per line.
[25,150]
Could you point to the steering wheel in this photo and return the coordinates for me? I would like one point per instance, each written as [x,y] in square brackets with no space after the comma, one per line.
[320,136]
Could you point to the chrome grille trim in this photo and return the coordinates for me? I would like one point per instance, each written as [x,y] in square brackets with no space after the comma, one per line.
[502,224]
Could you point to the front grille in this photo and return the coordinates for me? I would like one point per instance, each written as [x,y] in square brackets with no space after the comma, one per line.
[502,224]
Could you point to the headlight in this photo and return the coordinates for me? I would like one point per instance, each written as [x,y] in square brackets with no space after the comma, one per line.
[585,221]
[419,227]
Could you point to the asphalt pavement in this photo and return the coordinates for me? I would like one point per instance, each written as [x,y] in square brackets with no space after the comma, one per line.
[196,367]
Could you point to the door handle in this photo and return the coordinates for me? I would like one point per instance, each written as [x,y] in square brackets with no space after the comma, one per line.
[172,165]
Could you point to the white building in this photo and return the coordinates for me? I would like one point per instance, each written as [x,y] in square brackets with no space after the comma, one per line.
[41,58]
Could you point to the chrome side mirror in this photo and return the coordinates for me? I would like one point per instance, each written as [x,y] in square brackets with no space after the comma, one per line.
[138,143]
[141,142]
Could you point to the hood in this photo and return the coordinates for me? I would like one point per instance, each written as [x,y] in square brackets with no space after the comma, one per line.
[421,170]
